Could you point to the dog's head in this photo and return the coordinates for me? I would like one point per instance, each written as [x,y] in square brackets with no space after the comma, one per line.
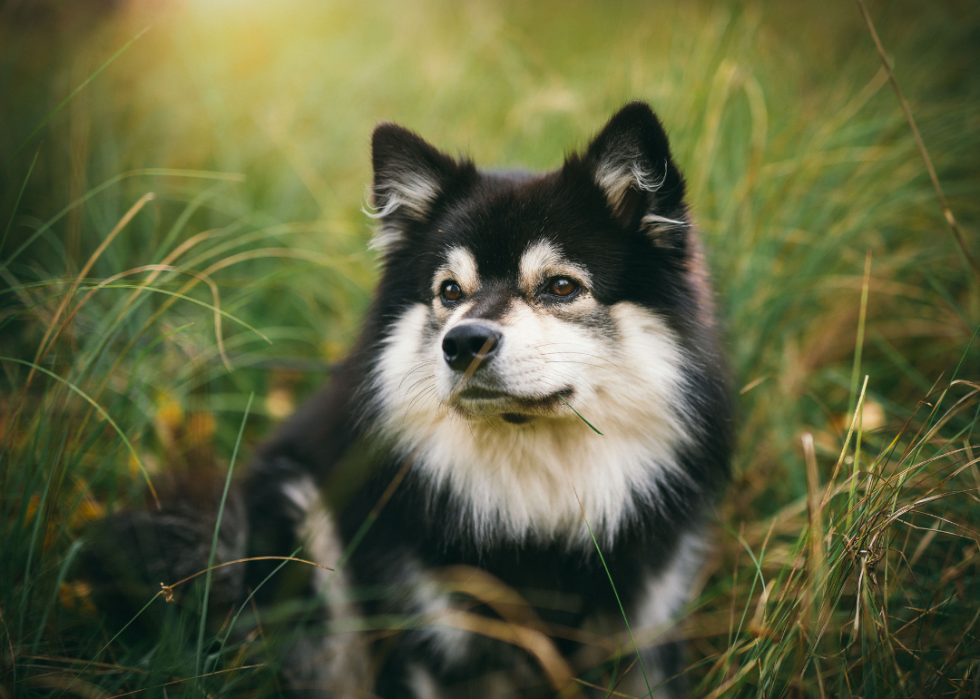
[512,301]
[513,282]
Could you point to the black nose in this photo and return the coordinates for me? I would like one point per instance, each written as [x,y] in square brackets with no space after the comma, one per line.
[464,343]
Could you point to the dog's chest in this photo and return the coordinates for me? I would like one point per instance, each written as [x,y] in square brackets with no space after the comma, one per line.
[414,536]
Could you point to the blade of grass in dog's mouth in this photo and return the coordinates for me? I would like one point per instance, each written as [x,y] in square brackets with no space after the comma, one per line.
[579,415]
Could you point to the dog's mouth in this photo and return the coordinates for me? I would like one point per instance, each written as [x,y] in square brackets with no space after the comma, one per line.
[513,408]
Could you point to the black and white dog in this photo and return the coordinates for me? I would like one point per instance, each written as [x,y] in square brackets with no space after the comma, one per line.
[541,364]
[512,308]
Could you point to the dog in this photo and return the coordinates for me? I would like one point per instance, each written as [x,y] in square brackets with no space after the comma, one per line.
[519,456]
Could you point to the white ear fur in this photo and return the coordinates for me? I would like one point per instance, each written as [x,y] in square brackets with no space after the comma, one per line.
[617,177]
[630,163]
[407,194]
[409,176]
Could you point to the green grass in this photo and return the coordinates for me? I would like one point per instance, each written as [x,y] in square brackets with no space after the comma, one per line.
[847,563]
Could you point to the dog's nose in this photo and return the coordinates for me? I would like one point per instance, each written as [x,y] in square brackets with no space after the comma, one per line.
[464,343]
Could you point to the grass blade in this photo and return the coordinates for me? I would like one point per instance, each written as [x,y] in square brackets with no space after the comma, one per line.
[108,418]
[20,194]
[580,416]
[214,540]
[622,611]
[74,92]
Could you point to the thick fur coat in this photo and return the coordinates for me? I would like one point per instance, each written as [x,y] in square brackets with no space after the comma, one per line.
[539,379]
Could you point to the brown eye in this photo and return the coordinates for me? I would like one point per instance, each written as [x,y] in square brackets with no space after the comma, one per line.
[451,291]
[562,286]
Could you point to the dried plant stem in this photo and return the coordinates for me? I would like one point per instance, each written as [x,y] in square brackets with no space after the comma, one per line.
[45,347]
[817,562]
[859,343]
[950,219]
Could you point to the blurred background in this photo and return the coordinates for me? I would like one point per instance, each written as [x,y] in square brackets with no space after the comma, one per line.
[181,193]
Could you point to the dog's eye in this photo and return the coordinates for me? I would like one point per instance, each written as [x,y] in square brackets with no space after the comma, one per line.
[450,291]
[562,286]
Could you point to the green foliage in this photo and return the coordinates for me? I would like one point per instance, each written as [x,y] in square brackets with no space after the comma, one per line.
[134,327]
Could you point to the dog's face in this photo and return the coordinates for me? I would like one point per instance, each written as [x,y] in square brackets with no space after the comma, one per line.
[513,340]
[517,307]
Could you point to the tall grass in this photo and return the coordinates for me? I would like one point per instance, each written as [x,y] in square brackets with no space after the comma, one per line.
[186,230]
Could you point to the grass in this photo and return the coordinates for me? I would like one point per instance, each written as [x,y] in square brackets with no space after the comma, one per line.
[166,210]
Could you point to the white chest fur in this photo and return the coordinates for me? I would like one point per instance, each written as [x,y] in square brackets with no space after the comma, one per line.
[526,481]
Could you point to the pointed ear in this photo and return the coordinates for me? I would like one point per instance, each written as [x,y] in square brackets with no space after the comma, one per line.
[409,176]
[630,163]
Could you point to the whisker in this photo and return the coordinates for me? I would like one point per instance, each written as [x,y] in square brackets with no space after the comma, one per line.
[415,368]
[422,394]
[420,381]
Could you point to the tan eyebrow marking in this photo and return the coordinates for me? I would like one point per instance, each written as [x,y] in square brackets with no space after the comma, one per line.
[460,266]
[542,261]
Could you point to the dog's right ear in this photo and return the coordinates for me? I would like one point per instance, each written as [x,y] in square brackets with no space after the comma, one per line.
[409,177]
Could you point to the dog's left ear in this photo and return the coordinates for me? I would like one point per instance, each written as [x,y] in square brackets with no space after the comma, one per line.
[630,162]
